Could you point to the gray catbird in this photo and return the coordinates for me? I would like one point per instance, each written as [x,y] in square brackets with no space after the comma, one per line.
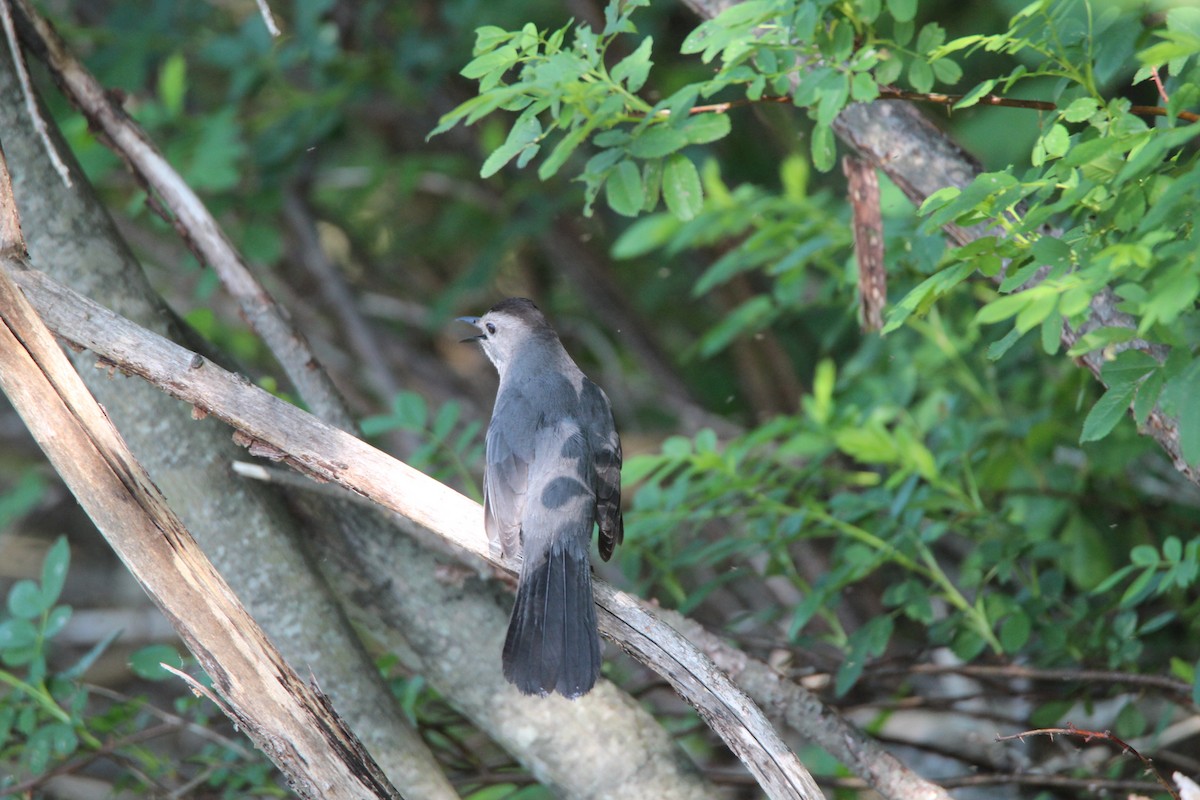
[553,471]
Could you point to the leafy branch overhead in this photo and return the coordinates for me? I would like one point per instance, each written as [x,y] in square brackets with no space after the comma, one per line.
[1122,191]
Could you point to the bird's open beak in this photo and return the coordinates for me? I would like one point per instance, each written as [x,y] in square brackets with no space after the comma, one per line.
[471,321]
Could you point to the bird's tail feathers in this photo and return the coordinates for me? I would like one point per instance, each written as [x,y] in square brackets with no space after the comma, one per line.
[552,643]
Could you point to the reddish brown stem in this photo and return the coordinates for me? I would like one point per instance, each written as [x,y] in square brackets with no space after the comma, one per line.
[1088,736]
[892,93]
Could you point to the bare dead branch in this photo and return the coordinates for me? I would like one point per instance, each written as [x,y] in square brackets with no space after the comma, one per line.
[290,721]
[328,454]
[863,191]
[268,19]
[39,122]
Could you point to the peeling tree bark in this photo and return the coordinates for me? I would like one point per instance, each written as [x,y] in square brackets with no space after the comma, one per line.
[288,720]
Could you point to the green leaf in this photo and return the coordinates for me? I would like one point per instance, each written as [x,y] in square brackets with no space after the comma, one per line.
[443,422]
[54,570]
[1015,630]
[888,71]
[677,447]
[681,187]
[1172,549]
[1002,308]
[705,128]
[624,189]
[921,298]
[145,662]
[1130,721]
[1189,419]
[473,109]
[1143,555]
[1081,109]
[931,36]
[864,89]
[410,411]
[16,634]
[646,234]
[1141,588]
[832,95]
[753,315]
[1051,251]
[920,75]
[820,406]
[1107,412]
[25,600]
[1128,368]
[1052,328]
[561,152]
[1100,337]
[657,141]
[524,133]
[214,162]
[871,444]
[56,620]
[946,71]
[494,61]
[488,37]
[635,67]
[824,149]
[80,667]
[21,497]
[529,38]
[1147,395]
[1175,45]
[652,172]
[902,10]
[998,348]
[1056,141]
[975,95]
[172,84]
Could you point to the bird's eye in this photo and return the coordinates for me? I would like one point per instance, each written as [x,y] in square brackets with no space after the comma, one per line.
[491,328]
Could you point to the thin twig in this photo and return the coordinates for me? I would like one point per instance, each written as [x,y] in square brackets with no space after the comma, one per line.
[198,688]
[35,114]
[108,748]
[268,18]
[1104,736]
[937,98]
[1012,671]
[303,224]
[201,731]
[1162,91]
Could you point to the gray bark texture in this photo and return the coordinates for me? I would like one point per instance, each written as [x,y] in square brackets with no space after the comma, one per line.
[244,528]
[391,586]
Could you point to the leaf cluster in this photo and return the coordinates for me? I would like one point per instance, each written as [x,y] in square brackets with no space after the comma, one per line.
[906,494]
[50,717]
[1104,214]
[566,94]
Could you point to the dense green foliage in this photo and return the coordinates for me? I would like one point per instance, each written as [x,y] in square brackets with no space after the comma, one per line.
[952,486]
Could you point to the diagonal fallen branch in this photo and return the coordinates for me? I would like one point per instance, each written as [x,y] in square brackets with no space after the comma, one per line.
[290,721]
[278,430]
